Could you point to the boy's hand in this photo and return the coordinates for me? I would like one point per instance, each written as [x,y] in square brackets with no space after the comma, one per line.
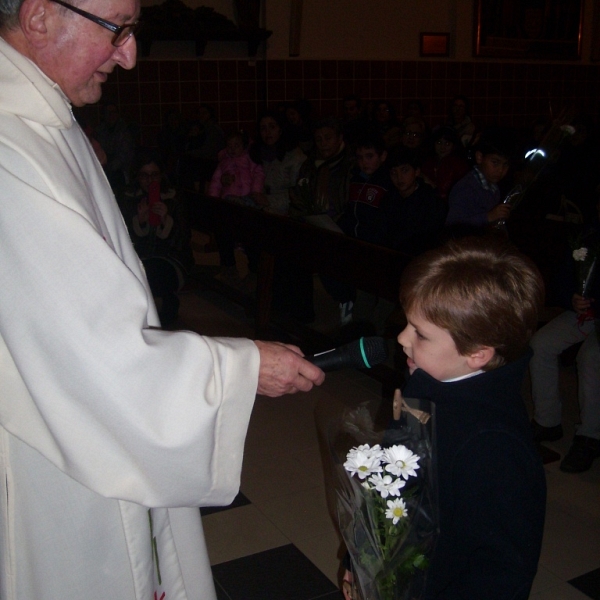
[580,304]
[499,212]
[347,581]
[397,404]
[284,371]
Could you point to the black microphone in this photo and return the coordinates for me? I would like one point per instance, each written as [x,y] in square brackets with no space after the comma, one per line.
[360,354]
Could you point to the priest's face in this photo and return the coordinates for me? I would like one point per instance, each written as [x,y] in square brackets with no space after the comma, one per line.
[79,54]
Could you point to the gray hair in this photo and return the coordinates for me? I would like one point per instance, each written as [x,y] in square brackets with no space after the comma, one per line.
[9,13]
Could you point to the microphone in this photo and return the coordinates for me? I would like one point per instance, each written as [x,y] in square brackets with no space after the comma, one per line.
[359,354]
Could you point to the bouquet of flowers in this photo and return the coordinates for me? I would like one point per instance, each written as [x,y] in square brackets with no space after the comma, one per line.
[386,500]
[585,257]
[585,261]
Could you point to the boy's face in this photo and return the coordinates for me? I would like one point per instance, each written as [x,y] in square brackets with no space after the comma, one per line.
[382,113]
[351,110]
[493,166]
[412,136]
[328,142]
[443,148]
[432,349]
[404,177]
[369,160]
[459,110]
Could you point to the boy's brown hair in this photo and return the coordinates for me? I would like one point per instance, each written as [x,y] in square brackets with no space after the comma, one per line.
[481,290]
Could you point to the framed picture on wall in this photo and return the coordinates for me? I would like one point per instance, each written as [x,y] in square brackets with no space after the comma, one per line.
[434,44]
[528,29]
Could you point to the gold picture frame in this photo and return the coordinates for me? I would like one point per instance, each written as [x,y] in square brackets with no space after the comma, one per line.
[546,29]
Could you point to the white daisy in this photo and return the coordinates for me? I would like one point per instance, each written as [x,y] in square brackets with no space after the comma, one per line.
[580,254]
[396,510]
[401,461]
[363,463]
[387,485]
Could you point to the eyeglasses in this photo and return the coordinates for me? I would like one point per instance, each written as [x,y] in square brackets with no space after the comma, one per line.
[121,32]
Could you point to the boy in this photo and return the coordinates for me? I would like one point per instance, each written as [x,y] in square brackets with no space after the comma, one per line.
[475,200]
[369,185]
[354,121]
[363,219]
[471,309]
[413,214]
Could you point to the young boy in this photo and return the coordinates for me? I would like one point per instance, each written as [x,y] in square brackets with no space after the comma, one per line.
[363,216]
[414,215]
[475,200]
[471,309]
[369,185]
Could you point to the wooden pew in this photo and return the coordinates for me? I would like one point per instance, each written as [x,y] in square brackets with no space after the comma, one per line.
[368,267]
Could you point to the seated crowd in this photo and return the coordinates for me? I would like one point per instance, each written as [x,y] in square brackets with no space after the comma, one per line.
[382,179]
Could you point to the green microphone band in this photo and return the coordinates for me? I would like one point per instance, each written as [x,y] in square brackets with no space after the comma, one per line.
[362,351]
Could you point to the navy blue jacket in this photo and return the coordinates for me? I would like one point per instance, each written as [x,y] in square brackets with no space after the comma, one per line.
[414,224]
[492,488]
[363,218]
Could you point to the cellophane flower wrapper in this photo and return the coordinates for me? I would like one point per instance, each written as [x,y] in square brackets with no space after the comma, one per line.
[387,567]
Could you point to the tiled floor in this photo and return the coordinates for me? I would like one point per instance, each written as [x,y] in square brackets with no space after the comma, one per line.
[278,540]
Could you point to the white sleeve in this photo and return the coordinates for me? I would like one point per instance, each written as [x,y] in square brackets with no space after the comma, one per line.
[134,413]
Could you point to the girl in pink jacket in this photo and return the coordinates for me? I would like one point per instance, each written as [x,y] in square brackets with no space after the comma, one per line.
[237,177]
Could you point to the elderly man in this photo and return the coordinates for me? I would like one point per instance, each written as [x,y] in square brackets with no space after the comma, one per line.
[109,426]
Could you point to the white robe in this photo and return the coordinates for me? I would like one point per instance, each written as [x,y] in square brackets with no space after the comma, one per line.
[101,416]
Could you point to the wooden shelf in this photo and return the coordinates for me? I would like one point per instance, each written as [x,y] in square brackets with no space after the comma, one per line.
[253,37]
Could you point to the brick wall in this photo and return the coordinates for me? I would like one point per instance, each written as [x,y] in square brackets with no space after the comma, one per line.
[504,93]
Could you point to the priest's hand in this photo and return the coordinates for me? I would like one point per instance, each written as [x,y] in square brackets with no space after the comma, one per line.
[284,371]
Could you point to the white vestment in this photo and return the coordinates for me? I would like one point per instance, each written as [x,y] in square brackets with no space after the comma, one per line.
[101,416]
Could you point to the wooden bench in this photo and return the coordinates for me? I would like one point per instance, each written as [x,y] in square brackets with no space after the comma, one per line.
[368,267]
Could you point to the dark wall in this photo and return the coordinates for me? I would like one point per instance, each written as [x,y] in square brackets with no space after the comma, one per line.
[511,94]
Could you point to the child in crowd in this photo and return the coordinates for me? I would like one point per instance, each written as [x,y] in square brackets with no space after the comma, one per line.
[414,133]
[281,159]
[475,201]
[363,217]
[355,122]
[446,165]
[471,308]
[160,231]
[383,122]
[460,120]
[414,215]
[369,185]
[237,177]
